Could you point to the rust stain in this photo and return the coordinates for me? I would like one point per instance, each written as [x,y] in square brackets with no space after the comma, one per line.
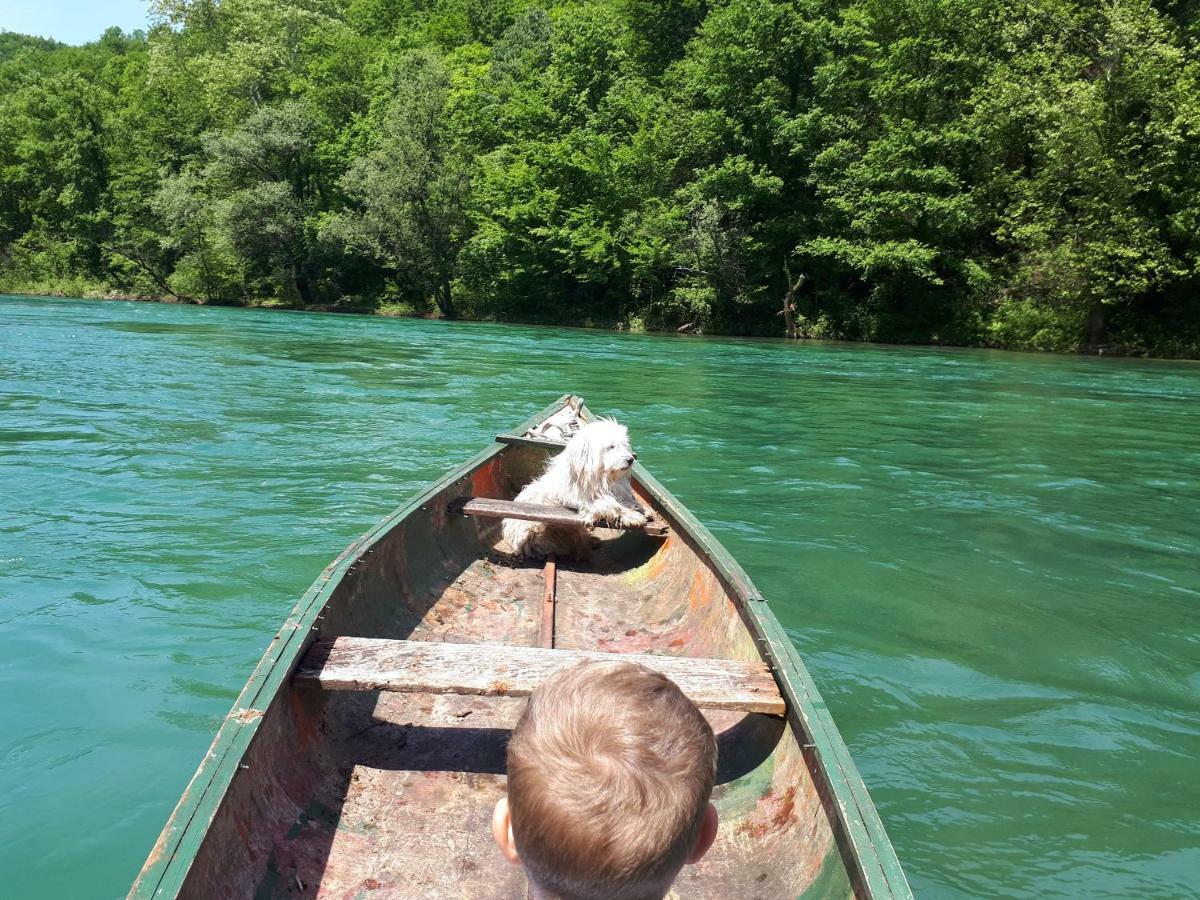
[776,814]
[302,720]
[246,716]
[156,851]
[700,592]
[654,568]
[753,830]
[787,807]
[372,884]
[483,480]
[501,687]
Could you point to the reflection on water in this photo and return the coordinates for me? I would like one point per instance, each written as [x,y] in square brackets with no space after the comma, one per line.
[989,560]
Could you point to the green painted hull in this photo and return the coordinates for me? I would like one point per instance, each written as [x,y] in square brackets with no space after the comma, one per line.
[306,793]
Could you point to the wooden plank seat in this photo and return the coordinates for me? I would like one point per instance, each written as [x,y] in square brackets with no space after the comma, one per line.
[489,508]
[372,664]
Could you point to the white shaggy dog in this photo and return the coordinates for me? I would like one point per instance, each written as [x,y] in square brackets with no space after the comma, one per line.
[590,475]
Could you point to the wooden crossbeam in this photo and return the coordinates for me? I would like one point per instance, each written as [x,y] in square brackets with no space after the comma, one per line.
[549,585]
[372,664]
[489,508]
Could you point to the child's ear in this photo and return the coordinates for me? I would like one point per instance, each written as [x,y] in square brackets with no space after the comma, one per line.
[503,834]
[708,834]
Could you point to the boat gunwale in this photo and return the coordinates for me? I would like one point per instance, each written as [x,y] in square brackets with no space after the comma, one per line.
[873,856]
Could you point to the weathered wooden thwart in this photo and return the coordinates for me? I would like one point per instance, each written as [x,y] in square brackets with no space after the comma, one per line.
[534,512]
[366,751]
[370,664]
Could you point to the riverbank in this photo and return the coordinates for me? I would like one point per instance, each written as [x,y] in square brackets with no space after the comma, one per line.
[1172,347]
[93,293]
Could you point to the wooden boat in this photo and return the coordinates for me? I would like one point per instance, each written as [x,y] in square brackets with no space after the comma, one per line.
[362,760]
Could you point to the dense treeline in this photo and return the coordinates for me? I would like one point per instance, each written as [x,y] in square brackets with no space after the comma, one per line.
[967,171]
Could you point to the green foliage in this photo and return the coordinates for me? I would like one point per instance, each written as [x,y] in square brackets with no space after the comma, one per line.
[240,214]
[965,171]
[13,45]
[408,192]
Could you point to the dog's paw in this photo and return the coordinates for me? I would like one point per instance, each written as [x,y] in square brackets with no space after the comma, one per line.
[632,518]
[600,515]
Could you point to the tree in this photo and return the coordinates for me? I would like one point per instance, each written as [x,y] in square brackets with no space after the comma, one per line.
[244,216]
[409,192]
[1093,129]
[967,171]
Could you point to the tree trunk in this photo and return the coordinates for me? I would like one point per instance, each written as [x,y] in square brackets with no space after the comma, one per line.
[303,288]
[155,275]
[1097,329]
[789,318]
[789,301]
[445,301]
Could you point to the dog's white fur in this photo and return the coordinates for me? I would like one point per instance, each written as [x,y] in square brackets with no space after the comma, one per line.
[590,475]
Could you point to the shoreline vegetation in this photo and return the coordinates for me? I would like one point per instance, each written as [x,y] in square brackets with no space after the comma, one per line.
[383,309]
[406,311]
[944,172]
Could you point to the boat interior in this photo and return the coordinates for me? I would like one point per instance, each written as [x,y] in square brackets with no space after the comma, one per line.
[359,793]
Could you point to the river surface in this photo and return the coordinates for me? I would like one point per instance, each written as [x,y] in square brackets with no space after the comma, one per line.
[990,561]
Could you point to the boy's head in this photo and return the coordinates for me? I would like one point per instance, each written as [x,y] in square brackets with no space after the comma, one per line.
[610,769]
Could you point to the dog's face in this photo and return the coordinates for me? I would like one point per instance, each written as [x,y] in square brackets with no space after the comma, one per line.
[603,447]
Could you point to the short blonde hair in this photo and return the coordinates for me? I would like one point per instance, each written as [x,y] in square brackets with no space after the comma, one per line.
[610,770]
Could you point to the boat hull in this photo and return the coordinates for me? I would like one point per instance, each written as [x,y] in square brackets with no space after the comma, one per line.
[375,794]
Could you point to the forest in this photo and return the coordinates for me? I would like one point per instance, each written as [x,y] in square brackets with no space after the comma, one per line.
[976,172]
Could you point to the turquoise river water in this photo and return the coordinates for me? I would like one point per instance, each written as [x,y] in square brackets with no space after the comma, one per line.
[990,561]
